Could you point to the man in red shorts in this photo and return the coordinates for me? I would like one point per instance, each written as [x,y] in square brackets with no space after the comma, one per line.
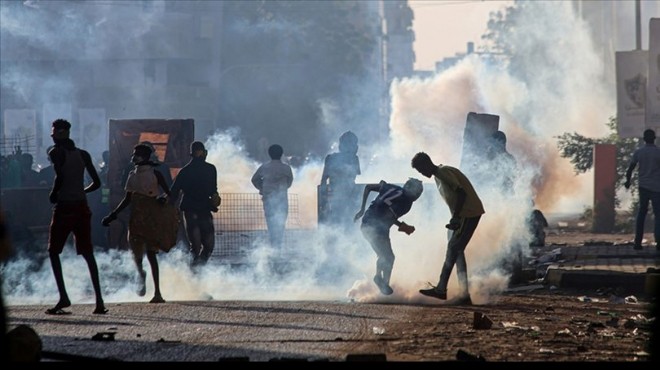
[71,213]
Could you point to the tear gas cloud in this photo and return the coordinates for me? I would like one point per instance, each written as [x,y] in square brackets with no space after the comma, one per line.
[427,115]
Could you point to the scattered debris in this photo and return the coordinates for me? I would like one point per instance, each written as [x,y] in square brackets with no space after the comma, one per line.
[481,321]
[162,340]
[564,333]
[464,356]
[631,299]
[616,300]
[514,325]
[593,326]
[104,336]
[548,257]
[613,321]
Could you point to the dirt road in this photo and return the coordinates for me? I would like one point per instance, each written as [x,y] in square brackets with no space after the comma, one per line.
[535,326]
[536,323]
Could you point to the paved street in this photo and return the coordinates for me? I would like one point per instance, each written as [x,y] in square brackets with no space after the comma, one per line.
[217,330]
[383,328]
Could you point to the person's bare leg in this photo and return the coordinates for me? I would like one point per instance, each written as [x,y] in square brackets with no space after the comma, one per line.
[56,264]
[94,273]
[142,275]
[153,261]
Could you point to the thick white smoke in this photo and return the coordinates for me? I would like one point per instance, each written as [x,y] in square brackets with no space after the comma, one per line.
[427,115]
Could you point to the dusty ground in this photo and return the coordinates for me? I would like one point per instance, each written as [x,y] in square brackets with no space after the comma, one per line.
[577,237]
[529,327]
[548,325]
[541,325]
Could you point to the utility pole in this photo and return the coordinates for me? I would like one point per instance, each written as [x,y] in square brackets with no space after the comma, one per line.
[638,23]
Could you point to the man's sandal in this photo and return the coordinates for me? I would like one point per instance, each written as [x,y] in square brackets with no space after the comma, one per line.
[57,311]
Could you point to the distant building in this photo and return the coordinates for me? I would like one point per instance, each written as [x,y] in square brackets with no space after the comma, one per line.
[447,63]
[151,59]
[90,62]
[399,38]
[612,26]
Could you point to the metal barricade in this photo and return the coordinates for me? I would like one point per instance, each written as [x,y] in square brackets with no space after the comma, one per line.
[240,224]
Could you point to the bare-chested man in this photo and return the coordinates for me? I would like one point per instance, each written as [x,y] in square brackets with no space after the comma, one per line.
[71,214]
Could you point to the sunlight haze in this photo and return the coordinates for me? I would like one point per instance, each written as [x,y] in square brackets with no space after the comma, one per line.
[443,28]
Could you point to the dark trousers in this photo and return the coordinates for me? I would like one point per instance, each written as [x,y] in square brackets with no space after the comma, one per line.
[201,235]
[379,239]
[456,255]
[646,196]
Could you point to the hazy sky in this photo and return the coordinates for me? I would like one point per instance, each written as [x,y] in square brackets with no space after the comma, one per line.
[444,27]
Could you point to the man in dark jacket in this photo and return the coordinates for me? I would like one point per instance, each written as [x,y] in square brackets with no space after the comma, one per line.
[198,182]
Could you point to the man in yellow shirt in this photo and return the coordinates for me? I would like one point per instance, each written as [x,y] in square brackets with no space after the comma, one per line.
[466,210]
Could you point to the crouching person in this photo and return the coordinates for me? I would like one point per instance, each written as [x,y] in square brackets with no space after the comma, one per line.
[392,202]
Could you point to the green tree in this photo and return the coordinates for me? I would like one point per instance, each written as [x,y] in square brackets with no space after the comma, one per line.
[579,150]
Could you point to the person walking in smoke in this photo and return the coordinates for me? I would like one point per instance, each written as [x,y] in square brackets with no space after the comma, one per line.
[71,214]
[337,186]
[504,162]
[153,223]
[502,176]
[338,199]
[198,181]
[537,224]
[648,159]
[273,179]
[466,210]
[391,203]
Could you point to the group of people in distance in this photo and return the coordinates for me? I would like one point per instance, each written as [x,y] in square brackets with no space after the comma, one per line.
[153,223]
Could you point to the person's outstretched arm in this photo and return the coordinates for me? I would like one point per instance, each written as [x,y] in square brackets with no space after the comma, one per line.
[91,170]
[162,182]
[257,180]
[113,215]
[367,189]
